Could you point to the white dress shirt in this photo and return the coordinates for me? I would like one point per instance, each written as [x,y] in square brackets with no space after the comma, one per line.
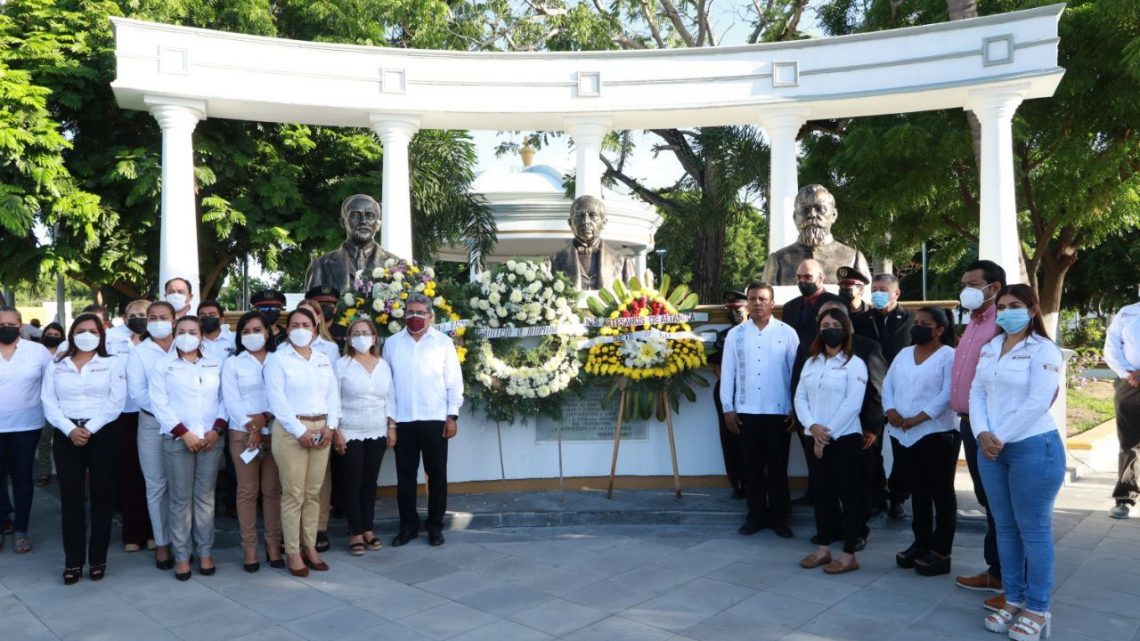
[367,399]
[296,386]
[222,347]
[329,349]
[1122,343]
[1011,394]
[20,380]
[119,343]
[756,368]
[243,390]
[830,393]
[911,389]
[187,394]
[95,393]
[140,363]
[426,375]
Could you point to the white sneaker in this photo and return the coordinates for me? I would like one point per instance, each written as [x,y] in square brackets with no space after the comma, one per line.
[1120,511]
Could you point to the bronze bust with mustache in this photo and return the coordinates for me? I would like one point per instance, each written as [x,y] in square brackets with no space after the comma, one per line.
[587,260]
[815,213]
[360,216]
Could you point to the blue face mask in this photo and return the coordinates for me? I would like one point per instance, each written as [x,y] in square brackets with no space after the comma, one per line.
[1013,320]
[880,300]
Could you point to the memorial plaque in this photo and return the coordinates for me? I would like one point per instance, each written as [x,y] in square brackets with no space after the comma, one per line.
[585,417]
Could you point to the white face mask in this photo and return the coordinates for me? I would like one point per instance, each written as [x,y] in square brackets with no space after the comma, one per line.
[187,342]
[972,298]
[253,342]
[301,337]
[361,343]
[178,301]
[160,329]
[86,341]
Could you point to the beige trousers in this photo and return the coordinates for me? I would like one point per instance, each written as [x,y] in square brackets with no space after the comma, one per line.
[257,478]
[301,471]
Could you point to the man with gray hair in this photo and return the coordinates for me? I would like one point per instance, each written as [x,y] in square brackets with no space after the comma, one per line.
[428,391]
[360,217]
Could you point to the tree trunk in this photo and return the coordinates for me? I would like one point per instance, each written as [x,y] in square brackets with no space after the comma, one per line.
[1055,263]
[708,257]
[960,10]
[213,281]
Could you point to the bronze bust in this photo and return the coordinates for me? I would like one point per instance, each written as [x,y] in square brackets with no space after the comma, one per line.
[587,260]
[815,213]
[360,216]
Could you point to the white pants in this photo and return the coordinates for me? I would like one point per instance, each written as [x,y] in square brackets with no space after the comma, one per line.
[150,459]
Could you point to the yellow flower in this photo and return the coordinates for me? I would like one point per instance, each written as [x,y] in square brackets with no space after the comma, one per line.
[403,295]
[461,352]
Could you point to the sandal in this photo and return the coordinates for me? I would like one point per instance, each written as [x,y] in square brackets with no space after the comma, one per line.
[71,575]
[837,567]
[811,561]
[374,544]
[999,621]
[356,549]
[44,480]
[97,572]
[1028,629]
[933,564]
[322,544]
[23,545]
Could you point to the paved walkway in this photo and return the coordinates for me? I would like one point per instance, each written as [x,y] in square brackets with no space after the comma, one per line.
[669,570]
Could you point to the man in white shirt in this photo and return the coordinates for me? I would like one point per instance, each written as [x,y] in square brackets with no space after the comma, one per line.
[177,292]
[217,339]
[756,393]
[428,393]
[1122,354]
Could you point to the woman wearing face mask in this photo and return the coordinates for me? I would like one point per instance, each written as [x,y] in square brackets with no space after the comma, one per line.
[367,430]
[186,389]
[157,344]
[22,365]
[925,439]
[828,399]
[303,397]
[51,339]
[324,344]
[243,392]
[83,394]
[1022,462]
[132,486]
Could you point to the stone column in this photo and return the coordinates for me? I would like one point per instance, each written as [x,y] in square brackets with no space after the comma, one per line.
[178,244]
[395,132]
[997,228]
[588,133]
[781,127]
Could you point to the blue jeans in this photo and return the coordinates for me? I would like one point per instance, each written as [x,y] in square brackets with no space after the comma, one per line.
[1021,485]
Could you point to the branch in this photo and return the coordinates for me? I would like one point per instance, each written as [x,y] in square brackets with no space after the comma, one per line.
[646,194]
[964,190]
[651,20]
[793,22]
[678,23]
[679,145]
[626,42]
[216,272]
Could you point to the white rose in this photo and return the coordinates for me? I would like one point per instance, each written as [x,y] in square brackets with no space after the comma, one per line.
[520,316]
[437,301]
[510,278]
[474,302]
[516,296]
[530,275]
[397,313]
[502,312]
[544,391]
[393,327]
[349,300]
[494,322]
[511,265]
[376,273]
[549,315]
[548,293]
[484,305]
[494,298]
[378,305]
[559,286]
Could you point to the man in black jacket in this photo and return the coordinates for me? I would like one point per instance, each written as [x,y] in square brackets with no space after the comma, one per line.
[801,311]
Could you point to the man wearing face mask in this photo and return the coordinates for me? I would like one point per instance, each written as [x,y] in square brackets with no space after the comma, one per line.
[1122,354]
[179,295]
[270,302]
[981,283]
[736,304]
[217,339]
[801,311]
[327,296]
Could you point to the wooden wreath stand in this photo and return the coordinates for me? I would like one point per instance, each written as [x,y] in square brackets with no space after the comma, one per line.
[617,441]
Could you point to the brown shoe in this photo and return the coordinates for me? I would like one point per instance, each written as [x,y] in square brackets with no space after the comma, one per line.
[837,567]
[810,562]
[981,581]
[994,603]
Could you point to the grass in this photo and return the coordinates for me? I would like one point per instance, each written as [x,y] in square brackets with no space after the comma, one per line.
[1089,406]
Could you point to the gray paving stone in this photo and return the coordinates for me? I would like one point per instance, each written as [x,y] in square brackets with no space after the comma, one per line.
[333,623]
[669,613]
[220,623]
[417,571]
[557,617]
[274,633]
[503,631]
[855,627]
[26,627]
[503,598]
[447,620]
[1069,619]
[615,628]
[609,596]
[813,585]
[400,602]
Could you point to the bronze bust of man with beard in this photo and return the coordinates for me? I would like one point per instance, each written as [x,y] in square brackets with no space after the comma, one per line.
[587,260]
[360,216]
[815,214]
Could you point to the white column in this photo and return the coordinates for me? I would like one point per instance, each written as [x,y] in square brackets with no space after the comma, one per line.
[588,133]
[997,228]
[178,244]
[395,132]
[781,127]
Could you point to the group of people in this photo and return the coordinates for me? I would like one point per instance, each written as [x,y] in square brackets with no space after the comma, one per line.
[842,374]
[141,417]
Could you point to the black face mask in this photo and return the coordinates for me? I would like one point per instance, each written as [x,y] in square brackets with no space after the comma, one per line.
[808,289]
[832,336]
[271,315]
[137,325]
[51,341]
[329,312]
[921,335]
[847,294]
[9,334]
[210,324]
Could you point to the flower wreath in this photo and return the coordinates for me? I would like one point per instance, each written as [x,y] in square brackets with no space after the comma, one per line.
[380,296]
[508,375]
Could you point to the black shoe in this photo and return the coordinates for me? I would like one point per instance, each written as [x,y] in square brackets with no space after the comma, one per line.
[932,565]
[207,571]
[896,512]
[168,564]
[782,530]
[905,559]
[71,575]
[97,572]
[182,576]
[435,539]
[322,541]
[860,543]
[402,538]
[251,567]
[277,564]
[750,527]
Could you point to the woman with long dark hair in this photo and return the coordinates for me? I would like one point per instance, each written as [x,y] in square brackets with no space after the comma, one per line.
[828,399]
[83,394]
[1023,457]
[925,438]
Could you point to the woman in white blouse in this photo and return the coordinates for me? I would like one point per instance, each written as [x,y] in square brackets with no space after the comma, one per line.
[303,397]
[916,398]
[22,365]
[828,399]
[367,429]
[1022,462]
[83,393]
[324,344]
[186,390]
[243,392]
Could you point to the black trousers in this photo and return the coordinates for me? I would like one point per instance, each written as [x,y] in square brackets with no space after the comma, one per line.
[989,544]
[97,459]
[132,487]
[1127,401]
[729,445]
[898,485]
[764,446]
[17,461]
[930,466]
[354,477]
[837,490]
[413,439]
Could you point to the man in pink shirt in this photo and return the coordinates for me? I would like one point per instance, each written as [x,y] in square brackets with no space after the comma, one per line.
[980,286]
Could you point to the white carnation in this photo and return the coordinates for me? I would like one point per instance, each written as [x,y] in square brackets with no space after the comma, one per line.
[474,302]
[516,296]
[484,305]
[559,286]
[494,298]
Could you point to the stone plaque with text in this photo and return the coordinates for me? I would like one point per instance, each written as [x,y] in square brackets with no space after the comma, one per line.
[586,418]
